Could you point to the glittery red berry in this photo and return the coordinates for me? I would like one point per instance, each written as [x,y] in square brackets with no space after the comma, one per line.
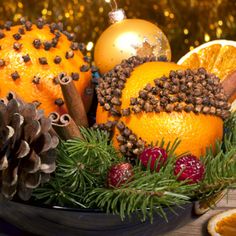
[119,174]
[156,154]
[191,168]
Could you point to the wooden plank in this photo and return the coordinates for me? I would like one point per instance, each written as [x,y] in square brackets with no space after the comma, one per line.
[198,227]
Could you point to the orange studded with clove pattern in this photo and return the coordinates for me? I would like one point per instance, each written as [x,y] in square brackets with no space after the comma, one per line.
[153,101]
[31,58]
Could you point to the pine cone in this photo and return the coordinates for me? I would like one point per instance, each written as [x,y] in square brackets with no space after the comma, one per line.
[27,147]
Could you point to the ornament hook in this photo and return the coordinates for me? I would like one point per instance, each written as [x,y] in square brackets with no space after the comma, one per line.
[116,14]
[113,4]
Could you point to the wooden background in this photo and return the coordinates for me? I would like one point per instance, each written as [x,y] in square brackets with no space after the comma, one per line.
[199,226]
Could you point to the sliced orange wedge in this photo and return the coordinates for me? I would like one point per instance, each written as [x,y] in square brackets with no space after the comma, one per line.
[218,57]
[223,224]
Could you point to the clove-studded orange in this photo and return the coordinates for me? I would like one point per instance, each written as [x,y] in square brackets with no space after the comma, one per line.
[32,56]
[152,101]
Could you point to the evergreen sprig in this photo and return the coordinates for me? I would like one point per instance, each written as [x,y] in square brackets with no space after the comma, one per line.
[148,193]
[55,192]
[87,160]
[82,165]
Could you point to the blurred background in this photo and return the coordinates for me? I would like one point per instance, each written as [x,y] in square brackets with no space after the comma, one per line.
[187,23]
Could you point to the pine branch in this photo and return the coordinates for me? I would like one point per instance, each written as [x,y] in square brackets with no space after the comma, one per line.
[148,194]
[220,172]
[55,193]
[147,191]
[94,151]
[72,170]
[82,167]
[87,159]
[82,164]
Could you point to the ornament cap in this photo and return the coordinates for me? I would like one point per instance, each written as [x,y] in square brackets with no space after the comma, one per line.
[116,15]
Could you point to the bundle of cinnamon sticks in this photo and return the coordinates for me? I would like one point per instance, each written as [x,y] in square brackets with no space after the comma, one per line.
[67,125]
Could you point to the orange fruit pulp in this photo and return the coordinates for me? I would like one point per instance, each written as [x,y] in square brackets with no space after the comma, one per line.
[218,57]
[46,91]
[196,131]
[223,224]
[227,226]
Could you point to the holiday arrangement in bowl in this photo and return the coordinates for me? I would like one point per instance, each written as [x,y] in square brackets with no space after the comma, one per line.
[164,137]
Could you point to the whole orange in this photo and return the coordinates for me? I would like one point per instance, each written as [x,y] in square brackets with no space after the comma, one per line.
[196,131]
[32,58]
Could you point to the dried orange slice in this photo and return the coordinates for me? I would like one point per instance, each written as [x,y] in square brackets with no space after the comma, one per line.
[223,224]
[218,57]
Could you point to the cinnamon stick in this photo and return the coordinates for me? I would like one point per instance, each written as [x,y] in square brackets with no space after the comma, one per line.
[54,116]
[229,86]
[73,101]
[66,128]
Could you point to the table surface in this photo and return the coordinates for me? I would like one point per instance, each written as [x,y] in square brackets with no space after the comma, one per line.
[197,227]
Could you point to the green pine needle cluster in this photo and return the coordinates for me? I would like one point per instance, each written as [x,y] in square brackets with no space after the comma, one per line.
[82,166]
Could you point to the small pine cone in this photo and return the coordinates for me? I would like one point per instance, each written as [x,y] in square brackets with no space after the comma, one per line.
[27,148]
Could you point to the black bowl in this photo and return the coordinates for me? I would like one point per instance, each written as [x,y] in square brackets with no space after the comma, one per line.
[62,221]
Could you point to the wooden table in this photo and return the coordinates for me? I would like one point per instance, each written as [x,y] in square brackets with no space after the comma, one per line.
[199,226]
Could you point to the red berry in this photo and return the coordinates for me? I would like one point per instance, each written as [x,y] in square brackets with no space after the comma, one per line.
[155,153]
[192,168]
[119,174]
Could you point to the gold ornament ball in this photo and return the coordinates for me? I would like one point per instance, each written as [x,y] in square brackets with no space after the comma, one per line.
[127,38]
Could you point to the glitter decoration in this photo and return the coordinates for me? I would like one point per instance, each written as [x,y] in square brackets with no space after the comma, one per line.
[127,38]
[187,24]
